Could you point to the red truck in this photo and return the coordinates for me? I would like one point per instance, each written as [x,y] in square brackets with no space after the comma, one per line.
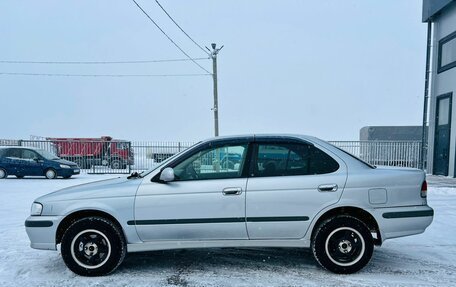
[87,152]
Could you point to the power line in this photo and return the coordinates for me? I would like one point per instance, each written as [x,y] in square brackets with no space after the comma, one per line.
[169,38]
[99,62]
[158,3]
[101,75]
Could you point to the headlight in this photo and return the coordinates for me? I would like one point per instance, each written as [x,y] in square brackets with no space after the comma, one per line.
[64,166]
[36,209]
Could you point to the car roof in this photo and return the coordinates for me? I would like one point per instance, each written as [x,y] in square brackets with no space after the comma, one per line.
[261,136]
[344,156]
[19,147]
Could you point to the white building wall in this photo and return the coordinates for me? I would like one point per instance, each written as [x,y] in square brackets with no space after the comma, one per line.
[442,83]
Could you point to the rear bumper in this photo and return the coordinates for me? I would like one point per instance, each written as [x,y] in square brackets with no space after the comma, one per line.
[403,221]
[41,231]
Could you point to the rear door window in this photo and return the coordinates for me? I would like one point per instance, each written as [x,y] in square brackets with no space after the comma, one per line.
[14,153]
[2,152]
[284,159]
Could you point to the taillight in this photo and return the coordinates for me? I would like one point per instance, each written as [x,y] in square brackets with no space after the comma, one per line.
[424,190]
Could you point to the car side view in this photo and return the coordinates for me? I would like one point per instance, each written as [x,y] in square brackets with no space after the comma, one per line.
[27,161]
[281,191]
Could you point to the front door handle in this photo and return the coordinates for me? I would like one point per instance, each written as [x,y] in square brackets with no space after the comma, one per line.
[232,191]
[327,187]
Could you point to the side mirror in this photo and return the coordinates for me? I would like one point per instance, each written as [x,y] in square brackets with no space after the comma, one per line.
[167,174]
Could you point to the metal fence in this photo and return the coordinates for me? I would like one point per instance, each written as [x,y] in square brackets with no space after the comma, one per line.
[390,153]
[148,154]
[103,157]
[98,156]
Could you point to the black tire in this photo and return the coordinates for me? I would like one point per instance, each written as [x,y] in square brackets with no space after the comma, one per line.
[82,163]
[85,163]
[3,173]
[116,164]
[50,173]
[19,176]
[103,251]
[342,244]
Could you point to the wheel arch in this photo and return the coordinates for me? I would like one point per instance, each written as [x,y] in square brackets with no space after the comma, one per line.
[73,217]
[6,172]
[356,212]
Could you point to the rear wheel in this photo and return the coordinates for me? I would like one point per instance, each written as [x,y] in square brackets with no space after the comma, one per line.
[50,174]
[93,246]
[116,164]
[83,163]
[343,244]
[3,173]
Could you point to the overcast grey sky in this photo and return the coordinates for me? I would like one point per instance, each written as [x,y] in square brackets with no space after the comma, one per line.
[324,68]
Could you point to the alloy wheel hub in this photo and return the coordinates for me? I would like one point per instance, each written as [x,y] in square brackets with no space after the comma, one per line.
[89,248]
[345,246]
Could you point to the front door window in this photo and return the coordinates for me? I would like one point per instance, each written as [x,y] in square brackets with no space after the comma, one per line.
[213,163]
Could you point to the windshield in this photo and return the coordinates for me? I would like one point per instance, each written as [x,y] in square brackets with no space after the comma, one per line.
[146,172]
[46,154]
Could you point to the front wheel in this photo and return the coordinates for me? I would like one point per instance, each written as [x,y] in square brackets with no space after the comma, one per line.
[50,174]
[342,244]
[93,246]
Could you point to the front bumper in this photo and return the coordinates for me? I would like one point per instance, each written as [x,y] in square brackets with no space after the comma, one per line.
[68,171]
[41,231]
[403,221]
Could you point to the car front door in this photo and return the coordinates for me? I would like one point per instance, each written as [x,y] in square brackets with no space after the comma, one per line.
[32,164]
[206,200]
[289,184]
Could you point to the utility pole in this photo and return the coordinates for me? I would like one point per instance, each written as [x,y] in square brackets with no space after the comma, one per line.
[214,53]
[425,131]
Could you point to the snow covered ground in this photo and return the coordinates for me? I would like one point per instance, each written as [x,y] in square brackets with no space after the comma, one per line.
[427,259]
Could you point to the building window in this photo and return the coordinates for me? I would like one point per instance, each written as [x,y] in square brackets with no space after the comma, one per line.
[447,53]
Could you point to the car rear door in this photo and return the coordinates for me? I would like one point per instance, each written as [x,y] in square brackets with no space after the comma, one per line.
[206,200]
[12,160]
[289,184]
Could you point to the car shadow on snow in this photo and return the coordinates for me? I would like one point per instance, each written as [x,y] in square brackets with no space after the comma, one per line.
[218,266]
[234,259]
[245,260]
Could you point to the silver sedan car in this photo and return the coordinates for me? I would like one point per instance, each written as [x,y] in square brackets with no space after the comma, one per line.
[238,191]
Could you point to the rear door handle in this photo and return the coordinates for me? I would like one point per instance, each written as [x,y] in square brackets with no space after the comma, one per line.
[327,187]
[232,191]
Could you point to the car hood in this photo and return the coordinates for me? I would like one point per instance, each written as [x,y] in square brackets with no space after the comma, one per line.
[115,187]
